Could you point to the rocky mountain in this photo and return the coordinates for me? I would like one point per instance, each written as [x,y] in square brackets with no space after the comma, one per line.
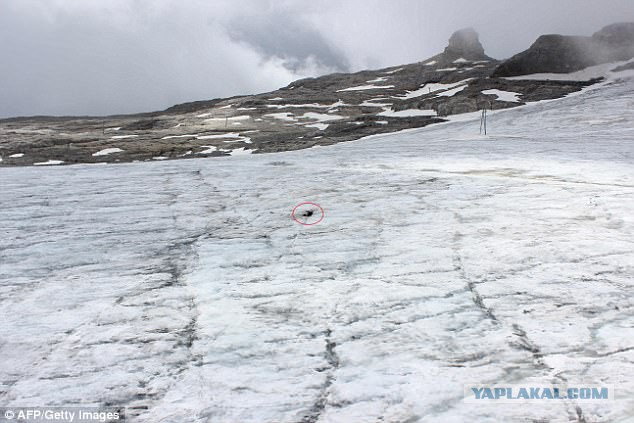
[562,54]
[320,111]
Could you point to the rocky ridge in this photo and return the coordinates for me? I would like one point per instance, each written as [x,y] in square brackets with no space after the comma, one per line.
[308,112]
[562,54]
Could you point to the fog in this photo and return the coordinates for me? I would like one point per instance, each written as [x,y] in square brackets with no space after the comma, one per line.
[93,57]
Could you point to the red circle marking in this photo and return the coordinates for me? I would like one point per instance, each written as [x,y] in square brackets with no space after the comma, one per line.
[312,204]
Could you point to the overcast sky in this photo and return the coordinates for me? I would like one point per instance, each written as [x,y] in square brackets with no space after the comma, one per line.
[61,57]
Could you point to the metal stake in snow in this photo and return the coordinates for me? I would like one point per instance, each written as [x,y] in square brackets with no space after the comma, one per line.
[483,119]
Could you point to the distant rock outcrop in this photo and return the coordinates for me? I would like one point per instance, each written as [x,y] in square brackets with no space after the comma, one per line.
[564,54]
[466,44]
[463,44]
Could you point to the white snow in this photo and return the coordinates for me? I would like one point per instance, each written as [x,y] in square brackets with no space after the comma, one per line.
[446,69]
[16,156]
[107,151]
[382,122]
[379,79]
[179,136]
[407,113]
[320,126]
[461,60]
[320,117]
[504,95]
[240,152]
[307,105]
[49,163]
[229,118]
[209,149]
[366,87]
[282,116]
[219,136]
[184,291]
[586,74]
[371,103]
[432,88]
[451,92]
[431,63]
[233,137]
[121,137]
[393,71]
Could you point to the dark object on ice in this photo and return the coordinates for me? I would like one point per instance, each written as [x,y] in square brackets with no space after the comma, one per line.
[307,213]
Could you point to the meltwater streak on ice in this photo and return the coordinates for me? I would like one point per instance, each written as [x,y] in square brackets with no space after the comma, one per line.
[446,259]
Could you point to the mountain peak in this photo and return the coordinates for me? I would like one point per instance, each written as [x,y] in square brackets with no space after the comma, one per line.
[465,43]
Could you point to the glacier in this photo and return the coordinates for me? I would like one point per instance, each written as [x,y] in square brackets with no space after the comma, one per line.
[185,292]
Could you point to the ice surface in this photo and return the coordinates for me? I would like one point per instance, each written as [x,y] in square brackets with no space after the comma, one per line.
[185,291]
[16,155]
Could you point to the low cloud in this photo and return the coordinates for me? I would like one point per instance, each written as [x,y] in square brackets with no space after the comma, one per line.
[286,37]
